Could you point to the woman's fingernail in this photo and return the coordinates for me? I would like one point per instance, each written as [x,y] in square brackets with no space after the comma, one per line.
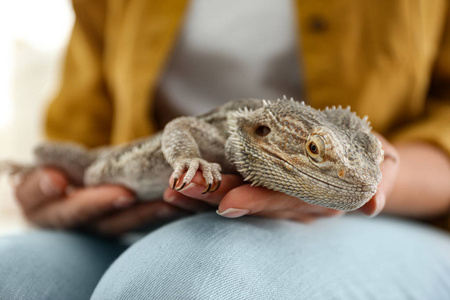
[123,201]
[233,212]
[48,187]
[380,200]
[171,199]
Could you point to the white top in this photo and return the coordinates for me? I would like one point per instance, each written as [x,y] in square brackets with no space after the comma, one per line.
[231,50]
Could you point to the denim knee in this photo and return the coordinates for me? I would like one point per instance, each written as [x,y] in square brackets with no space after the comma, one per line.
[209,257]
[53,265]
[194,258]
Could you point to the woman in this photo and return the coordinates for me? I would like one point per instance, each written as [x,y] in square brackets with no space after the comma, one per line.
[383,59]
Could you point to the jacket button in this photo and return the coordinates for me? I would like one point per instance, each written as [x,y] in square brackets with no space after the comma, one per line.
[317,24]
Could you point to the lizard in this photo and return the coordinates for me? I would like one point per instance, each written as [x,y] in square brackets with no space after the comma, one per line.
[324,157]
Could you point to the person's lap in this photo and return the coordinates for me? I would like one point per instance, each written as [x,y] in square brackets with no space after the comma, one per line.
[210,257]
[53,265]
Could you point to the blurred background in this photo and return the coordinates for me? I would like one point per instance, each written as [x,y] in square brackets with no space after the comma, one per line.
[33,35]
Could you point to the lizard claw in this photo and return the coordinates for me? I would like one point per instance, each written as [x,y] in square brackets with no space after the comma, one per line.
[216,187]
[211,173]
[207,189]
[174,185]
[175,179]
[181,187]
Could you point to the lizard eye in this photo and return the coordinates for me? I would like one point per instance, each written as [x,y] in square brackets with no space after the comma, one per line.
[313,148]
[316,148]
[262,130]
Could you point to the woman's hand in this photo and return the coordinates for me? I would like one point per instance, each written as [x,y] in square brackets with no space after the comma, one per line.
[389,170]
[234,198]
[47,201]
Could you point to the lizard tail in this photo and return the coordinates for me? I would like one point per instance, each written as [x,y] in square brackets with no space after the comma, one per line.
[14,170]
[11,168]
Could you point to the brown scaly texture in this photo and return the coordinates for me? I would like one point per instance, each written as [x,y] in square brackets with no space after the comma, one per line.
[328,158]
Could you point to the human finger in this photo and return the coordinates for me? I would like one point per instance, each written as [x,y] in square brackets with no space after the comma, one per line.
[389,170]
[137,216]
[246,199]
[187,203]
[82,206]
[197,186]
[40,187]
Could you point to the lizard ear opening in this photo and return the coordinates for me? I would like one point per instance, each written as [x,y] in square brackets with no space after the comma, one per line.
[262,130]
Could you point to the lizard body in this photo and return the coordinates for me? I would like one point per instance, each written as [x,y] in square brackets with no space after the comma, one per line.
[328,158]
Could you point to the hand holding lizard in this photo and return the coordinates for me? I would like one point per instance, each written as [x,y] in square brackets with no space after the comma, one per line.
[234,198]
[46,200]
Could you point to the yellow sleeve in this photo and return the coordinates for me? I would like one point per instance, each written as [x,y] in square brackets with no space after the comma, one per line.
[434,125]
[81,111]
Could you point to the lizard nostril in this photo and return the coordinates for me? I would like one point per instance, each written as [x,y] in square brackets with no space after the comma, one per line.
[368,188]
[341,173]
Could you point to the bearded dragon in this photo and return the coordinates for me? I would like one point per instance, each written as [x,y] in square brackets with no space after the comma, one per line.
[328,158]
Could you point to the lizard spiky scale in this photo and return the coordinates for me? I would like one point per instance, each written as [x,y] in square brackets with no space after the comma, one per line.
[340,171]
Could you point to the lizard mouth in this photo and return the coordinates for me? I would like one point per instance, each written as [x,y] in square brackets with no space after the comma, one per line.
[364,188]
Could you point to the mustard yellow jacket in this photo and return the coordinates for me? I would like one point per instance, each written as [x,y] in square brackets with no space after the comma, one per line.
[388,59]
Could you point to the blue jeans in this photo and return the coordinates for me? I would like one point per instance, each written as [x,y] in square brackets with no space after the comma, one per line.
[210,257]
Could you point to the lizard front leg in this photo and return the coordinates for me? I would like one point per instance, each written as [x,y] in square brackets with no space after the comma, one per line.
[187,143]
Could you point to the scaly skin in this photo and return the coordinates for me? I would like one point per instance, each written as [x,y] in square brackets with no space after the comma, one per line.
[326,158]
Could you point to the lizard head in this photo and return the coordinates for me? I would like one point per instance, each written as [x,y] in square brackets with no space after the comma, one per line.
[328,158]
